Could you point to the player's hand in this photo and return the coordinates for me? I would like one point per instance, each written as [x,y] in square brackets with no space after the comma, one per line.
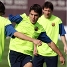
[62,60]
[37,42]
[65,49]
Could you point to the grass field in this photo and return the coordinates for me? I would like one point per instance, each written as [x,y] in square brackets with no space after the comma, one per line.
[4,63]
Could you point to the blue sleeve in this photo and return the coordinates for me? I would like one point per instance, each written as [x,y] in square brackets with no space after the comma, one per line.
[43,37]
[61,30]
[17,19]
[9,30]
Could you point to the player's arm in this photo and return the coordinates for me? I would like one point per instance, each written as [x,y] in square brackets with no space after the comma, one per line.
[10,31]
[43,37]
[62,33]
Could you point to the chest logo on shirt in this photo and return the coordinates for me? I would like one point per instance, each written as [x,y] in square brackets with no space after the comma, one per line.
[53,24]
[36,28]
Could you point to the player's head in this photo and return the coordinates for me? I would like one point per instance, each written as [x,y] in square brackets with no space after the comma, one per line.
[47,9]
[2,8]
[35,12]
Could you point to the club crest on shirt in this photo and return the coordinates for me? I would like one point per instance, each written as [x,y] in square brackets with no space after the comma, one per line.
[53,24]
[36,28]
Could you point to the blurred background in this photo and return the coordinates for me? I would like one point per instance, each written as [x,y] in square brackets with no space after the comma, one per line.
[22,6]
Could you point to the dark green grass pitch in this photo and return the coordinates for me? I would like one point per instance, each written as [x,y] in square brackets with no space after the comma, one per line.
[4,62]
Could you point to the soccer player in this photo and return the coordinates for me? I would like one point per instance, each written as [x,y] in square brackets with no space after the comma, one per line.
[21,52]
[53,27]
[6,29]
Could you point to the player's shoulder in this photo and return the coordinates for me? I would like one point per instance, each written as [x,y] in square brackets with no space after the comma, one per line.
[54,16]
[57,18]
[1,18]
[4,18]
[24,15]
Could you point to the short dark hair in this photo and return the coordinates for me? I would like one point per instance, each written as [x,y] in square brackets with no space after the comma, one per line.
[2,8]
[48,5]
[37,8]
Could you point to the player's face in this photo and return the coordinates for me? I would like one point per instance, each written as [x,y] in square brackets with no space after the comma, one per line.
[47,12]
[33,16]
